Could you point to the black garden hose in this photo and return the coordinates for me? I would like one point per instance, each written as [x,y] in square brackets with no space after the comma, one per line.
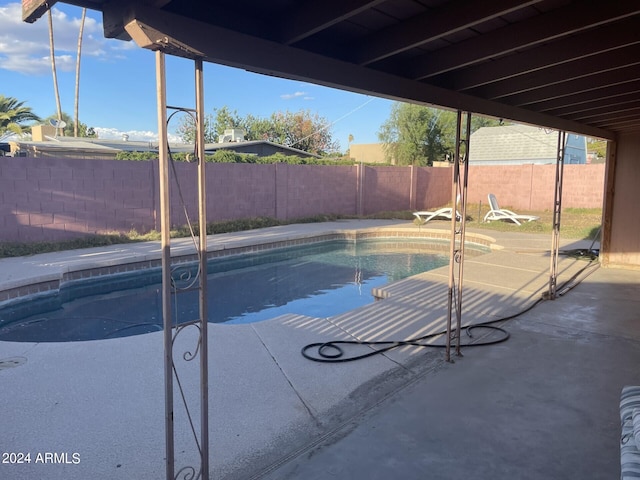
[331,352]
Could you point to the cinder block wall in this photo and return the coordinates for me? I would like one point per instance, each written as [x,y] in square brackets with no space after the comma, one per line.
[51,199]
[531,187]
[386,188]
[433,187]
[241,191]
[583,186]
[253,190]
[315,189]
[44,199]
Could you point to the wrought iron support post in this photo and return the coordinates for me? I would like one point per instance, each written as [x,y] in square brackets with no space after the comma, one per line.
[458,225]
[163,153]
[557,211]
[172,281]
[204,315]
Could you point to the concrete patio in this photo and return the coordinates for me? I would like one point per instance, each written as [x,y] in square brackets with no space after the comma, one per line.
[544,404]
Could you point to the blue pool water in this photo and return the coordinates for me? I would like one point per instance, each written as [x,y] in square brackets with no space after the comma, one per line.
[319,280]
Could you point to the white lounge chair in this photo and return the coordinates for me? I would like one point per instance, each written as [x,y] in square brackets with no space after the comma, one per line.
[497,213]
[444,213]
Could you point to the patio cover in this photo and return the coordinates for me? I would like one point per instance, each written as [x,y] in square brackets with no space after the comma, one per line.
[569,65]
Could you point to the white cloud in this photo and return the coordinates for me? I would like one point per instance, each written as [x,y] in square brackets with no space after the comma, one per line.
[24,47]
[109,133]
[289,96]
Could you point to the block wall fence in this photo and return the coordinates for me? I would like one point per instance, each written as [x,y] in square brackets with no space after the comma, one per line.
[48,199]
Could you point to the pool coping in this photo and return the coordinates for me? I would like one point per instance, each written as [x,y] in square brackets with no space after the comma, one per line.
[136,257]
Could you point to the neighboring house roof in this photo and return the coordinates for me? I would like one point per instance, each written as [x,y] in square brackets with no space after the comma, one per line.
[86,147]
[119,145]
[255,146]
[62,145]
[78,147]
[63,149]
[518,144]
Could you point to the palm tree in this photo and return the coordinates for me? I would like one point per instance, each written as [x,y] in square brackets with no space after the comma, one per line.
[53,67]
[13,114]
[75,113]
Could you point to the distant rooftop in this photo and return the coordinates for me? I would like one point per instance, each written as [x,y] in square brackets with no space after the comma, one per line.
[46,144]
[518,144]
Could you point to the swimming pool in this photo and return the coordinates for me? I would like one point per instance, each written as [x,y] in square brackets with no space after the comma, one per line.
[318,280]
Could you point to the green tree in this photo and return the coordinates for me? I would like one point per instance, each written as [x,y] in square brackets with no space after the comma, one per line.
[419,135]
[413,135]
[225,119]
[259,128]
[303,130]
[214,125]
[306,131]
[13,114]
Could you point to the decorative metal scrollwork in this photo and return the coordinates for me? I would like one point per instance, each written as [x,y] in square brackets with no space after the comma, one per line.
[456,260]
[189,356]
[187,473]
[183,277]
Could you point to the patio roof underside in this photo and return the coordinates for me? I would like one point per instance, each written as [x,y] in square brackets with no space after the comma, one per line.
[569,65]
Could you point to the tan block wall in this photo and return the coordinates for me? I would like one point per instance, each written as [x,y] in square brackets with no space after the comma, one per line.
[531,187]
[45,199]
[367,152]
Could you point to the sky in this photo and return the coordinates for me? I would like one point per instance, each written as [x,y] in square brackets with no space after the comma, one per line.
[118,87]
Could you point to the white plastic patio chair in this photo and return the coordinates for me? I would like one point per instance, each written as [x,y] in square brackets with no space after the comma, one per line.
[444,213]
[497,213]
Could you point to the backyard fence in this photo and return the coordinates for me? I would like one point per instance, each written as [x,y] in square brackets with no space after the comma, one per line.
[49,199]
